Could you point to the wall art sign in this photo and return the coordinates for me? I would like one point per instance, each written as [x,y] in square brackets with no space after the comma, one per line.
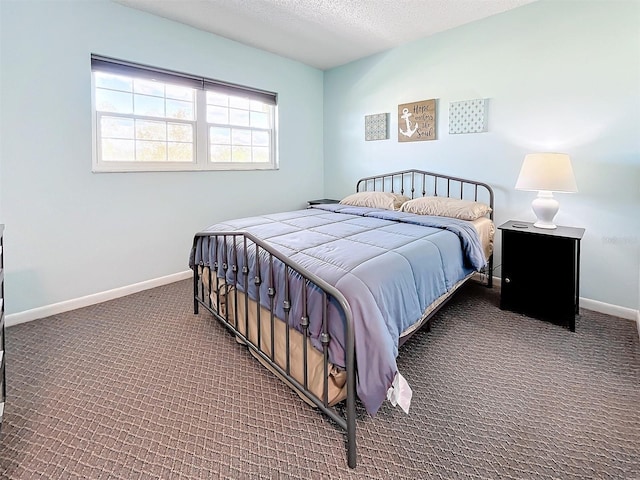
[468,116]
[417,121]
[376,127]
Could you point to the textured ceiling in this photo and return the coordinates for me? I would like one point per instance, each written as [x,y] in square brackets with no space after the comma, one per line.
[324,33]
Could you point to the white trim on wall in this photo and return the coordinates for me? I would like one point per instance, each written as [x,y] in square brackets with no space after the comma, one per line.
[615,310]
[67,305]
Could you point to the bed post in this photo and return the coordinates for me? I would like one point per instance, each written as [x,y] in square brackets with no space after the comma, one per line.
[490,277]
[351,399]
[195,289]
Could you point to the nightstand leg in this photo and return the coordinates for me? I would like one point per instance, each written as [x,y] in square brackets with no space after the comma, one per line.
[577,278]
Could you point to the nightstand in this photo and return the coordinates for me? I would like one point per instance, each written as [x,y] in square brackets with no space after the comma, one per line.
[322,200]
[541,271]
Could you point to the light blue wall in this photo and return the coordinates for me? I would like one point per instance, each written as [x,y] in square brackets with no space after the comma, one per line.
[560,76]
[72,233]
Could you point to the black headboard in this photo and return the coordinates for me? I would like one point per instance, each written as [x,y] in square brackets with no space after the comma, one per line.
[414,183]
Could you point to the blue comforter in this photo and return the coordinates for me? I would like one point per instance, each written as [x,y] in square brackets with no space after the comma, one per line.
[390,266]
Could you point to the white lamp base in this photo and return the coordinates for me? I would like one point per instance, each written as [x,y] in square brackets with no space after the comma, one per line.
[545,207]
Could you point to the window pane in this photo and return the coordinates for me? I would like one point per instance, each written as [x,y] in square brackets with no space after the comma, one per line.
[240,137]
[179,132]
[241,154]
[260,139]
[118,150]
[220,153]
[220,135]
[214,98]
[148,87]
[179,93]
[116,127]
[180,110]
[260,154]
[259,106]
[259,120]
[239,102]
[149,130]
[151,151]
[217,114]
[114,102]
[180,152]
[149,106]
[114,82]
[239,117]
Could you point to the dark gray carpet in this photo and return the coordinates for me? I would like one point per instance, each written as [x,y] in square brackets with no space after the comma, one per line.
[140,388]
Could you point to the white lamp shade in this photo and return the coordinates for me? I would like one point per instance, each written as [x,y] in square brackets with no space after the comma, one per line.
[547,171]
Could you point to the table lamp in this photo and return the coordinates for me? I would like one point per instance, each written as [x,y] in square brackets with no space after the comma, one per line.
[546,173]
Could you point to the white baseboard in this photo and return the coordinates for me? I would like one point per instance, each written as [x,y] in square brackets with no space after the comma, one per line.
[615,310]
[61,307]
[56,308]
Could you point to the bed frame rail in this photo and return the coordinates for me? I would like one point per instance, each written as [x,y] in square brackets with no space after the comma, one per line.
[234,262]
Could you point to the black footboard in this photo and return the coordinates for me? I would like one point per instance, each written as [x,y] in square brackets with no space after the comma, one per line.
[256,292]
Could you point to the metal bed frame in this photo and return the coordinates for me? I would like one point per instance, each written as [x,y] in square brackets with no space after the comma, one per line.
[234,245]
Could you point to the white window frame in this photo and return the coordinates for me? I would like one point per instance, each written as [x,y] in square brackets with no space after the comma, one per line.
[201,140]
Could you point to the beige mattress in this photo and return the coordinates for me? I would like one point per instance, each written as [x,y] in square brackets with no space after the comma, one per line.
[486,230]
[337,378]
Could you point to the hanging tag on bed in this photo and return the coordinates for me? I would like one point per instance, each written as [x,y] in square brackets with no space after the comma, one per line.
[400,393]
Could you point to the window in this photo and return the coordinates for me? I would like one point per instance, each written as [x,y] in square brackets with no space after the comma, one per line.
[148,119]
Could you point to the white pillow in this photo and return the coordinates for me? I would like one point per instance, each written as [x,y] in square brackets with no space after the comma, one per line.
[385,200]
[446,207]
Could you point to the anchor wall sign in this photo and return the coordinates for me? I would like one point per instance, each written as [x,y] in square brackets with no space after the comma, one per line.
[417,121]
